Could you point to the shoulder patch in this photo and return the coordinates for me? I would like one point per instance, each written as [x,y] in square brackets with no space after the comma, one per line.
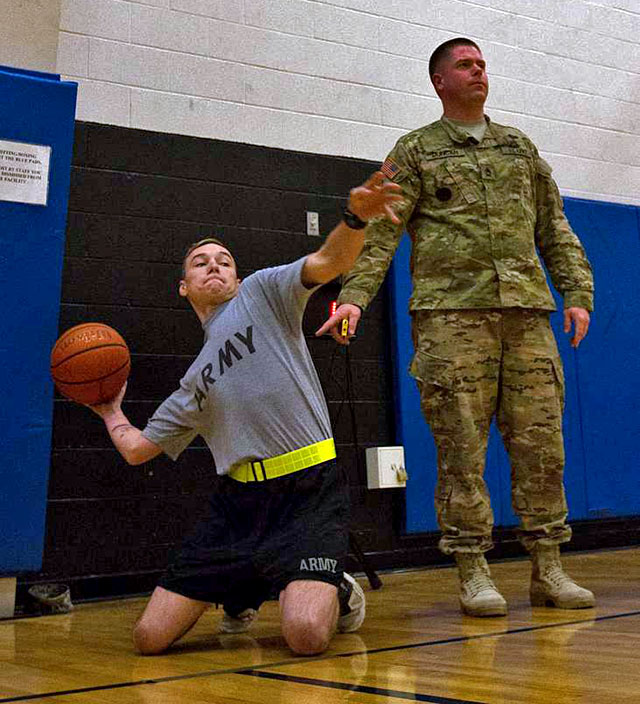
[390,169]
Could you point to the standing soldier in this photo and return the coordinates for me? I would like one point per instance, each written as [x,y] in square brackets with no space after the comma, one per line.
[479,200]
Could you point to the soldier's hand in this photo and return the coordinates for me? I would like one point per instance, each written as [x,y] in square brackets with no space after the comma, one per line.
[376,197]
[579,319]
[333,325]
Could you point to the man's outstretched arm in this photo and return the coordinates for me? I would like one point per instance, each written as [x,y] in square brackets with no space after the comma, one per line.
[374,198]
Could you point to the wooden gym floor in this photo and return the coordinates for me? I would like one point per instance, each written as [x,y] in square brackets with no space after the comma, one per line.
[414,646]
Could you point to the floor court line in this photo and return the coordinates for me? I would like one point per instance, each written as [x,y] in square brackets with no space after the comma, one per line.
[493,634]
[298,661]
[363,689]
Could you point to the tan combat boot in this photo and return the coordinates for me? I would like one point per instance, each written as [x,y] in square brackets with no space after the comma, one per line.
[551,585]
[478,593]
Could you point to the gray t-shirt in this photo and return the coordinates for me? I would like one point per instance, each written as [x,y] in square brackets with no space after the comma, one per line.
[475,129]
[253,391]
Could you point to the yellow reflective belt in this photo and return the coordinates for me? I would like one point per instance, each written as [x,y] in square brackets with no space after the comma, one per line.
[260,470]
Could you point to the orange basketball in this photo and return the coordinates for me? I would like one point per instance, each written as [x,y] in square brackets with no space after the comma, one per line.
[90,363]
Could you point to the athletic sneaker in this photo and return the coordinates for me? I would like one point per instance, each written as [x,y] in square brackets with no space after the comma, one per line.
[51,598]
[352,605]
[237,624]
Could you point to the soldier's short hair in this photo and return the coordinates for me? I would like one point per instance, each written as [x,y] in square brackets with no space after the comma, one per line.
[195,245]
[444,50]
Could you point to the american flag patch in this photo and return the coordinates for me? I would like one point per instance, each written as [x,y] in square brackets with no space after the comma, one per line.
[390,169]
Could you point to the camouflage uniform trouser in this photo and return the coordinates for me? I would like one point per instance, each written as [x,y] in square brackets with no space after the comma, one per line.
[471,366]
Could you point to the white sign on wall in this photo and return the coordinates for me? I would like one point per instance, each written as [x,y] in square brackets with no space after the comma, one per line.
[24,172]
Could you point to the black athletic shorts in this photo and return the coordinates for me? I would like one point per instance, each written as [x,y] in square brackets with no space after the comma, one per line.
[260,536]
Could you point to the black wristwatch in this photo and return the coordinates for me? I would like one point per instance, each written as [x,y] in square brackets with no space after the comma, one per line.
[352,220]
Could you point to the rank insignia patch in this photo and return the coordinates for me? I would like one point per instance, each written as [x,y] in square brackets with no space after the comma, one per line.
[390,169]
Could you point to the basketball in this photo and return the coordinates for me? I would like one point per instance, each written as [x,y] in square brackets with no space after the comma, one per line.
[90,363]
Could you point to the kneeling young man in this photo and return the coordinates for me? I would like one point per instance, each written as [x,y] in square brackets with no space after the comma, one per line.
[279,521]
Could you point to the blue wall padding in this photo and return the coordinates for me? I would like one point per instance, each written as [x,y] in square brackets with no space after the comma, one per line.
[36,108]
[602,417]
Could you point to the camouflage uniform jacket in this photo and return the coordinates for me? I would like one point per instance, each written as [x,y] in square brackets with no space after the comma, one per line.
[476,213]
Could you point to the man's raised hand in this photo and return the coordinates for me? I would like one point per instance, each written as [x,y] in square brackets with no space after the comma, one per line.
[375,198]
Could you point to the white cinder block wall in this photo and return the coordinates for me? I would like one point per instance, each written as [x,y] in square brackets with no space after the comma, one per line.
[348,77]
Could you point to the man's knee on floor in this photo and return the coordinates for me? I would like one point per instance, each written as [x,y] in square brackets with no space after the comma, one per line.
[148,640]
[307,636]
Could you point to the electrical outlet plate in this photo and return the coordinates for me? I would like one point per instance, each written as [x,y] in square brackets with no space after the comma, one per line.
[313,223]
[385,467]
